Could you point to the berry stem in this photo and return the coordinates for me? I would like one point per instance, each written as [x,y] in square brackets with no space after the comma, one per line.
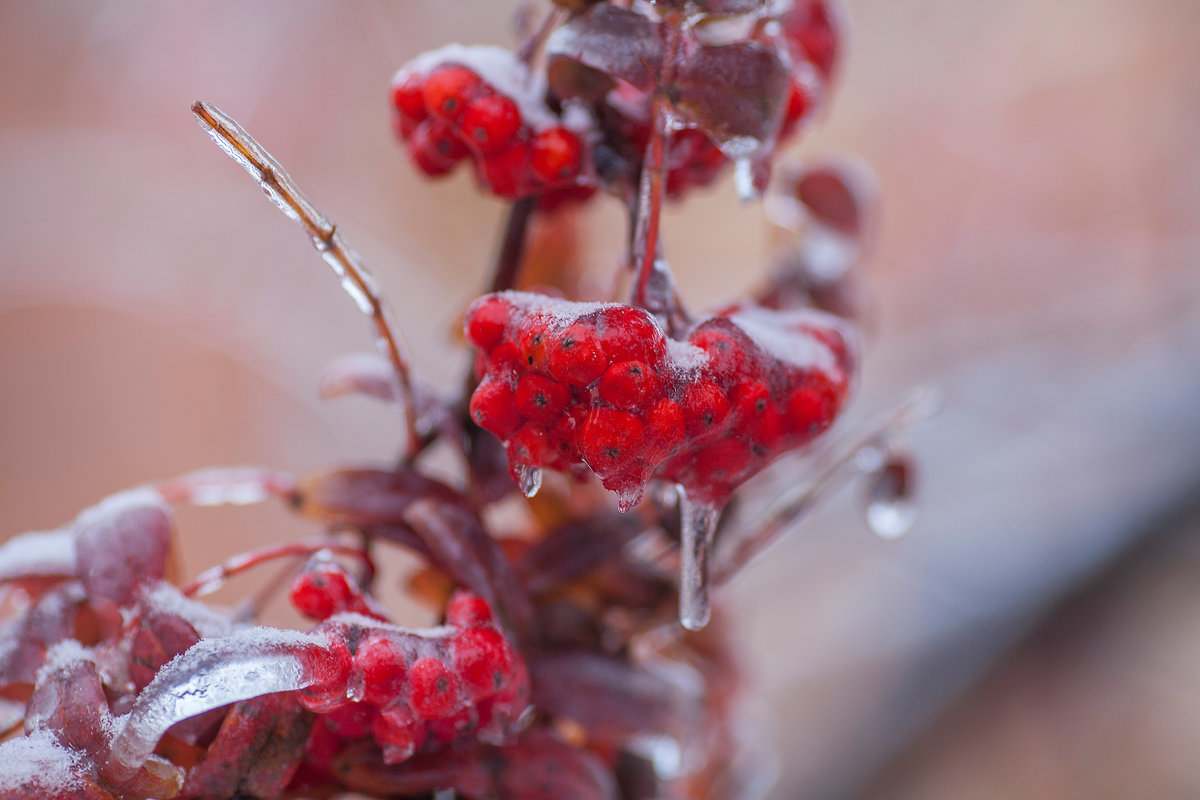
[832,470]
[512,246]
[654,286]
[356,278]
[537,37]
[211,579]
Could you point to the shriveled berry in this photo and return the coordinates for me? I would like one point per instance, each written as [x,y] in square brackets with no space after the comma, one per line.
[432,688]
[493,407]
[610,439]
[490,122]
[448,90]
[466,610]
[483,659]
[381,664]
[487,320]
[629,385]
[575,355]
[540,399]
[705,409]
[556,155]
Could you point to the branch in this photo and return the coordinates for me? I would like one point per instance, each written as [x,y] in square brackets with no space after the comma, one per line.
[356,279]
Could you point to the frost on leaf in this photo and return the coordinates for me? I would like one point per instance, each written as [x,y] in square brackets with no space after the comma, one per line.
[122,543]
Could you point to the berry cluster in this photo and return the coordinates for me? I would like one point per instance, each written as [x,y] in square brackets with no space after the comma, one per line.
[565,383]
[403,687]
[482,103]
[324,588]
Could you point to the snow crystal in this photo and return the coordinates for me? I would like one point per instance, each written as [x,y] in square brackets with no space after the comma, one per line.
[778,335]
[38,762]
[120,503]
[38,554]
[168,599]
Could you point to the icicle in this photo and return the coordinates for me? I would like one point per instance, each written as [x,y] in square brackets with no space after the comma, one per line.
[743,180]
[698,524]
[890,507]
[529,479]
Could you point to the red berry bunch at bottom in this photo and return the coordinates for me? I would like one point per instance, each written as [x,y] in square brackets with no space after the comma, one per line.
[482,103]
[565,383]
[405,687]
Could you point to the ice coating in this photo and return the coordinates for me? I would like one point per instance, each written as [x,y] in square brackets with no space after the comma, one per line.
[499,67]
[780,334]
[122,543]
[39,554]
[164,597]
[120,503]
[212,486]
[212,673]
[39,763]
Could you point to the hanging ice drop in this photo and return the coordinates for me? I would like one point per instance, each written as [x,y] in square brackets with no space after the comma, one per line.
[529,479]
[698,524]
[891,508]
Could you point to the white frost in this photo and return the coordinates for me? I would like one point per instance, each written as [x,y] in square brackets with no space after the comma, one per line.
[38,554]
[38,763]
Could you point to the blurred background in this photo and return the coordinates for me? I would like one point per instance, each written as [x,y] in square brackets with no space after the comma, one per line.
[1036,635]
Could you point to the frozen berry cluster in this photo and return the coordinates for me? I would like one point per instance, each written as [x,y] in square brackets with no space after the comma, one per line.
[404,687]
[481,104]
[566,383]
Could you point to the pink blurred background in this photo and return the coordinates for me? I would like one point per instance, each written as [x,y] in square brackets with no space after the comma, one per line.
[1037,259]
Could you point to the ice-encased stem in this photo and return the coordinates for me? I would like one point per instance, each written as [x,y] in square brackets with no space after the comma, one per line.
[698,524]
[213,673]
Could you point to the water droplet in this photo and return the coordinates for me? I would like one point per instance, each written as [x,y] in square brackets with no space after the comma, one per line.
[698,524]
[743,180]
[891,507]
[529,479]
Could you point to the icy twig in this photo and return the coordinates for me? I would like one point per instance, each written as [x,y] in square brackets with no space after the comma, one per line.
[211,579]
[235,486]
[831,472]
[356,279]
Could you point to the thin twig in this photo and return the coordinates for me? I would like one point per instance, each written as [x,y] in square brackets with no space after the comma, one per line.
[356,279]
[211,579]
[830,473]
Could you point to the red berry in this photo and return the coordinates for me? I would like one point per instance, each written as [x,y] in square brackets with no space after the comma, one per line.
[490,122]
[610,439]
[728,361]
[434,149]
[448,729]
[321,593]
[330,672]
[705,409]
[564,434]
[530,445]
[493,407]
[722,461]
[810,25]
[576,356]
[811,407]
[540,399]
[534,341]
[407,97]
[466,610]
[432,689]
[449,89]
[631,334]
[399,732]
[504,360]
[506,172]
[350,721]
[381,663]
[664,430]
[483,659]
[756,416]
[629,385]
[556,155]
[487,320]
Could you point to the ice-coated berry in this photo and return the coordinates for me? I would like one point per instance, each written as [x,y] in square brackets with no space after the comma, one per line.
[484,661]
[490,122]
[432,688]
[466,610]
[321,593]
[381,665]
[601,384]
